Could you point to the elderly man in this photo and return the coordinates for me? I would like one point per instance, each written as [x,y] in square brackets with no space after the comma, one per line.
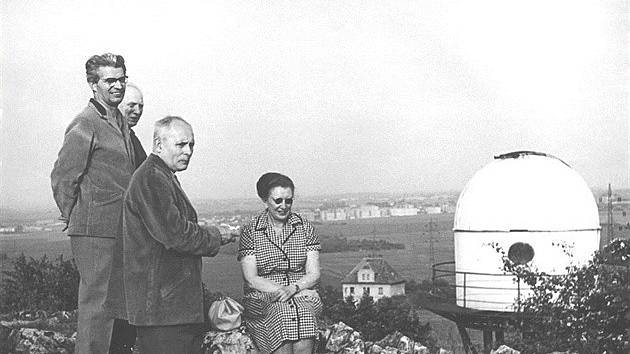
[91,173]
[163,245]
[131,108]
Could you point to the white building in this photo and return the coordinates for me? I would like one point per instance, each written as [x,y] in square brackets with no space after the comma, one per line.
[336,214]
[621,216]
[407,211]
[433,210]
[604,199]
[375,277]
[366,211]
[307,213]
[448,208]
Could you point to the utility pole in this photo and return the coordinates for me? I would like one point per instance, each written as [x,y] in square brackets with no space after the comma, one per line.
[432,226]
[609,231]
[373,253]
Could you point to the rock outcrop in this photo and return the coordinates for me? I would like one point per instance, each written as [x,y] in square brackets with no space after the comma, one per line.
[233,342]
[38,332]
[42,333]
[337,338]
[504,349]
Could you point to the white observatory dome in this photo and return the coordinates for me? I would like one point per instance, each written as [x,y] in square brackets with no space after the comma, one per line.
[536,209]
[526,191]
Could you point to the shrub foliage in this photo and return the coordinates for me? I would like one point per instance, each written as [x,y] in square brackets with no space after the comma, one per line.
[585,310]
[40,284]
[375,320]
[342,244]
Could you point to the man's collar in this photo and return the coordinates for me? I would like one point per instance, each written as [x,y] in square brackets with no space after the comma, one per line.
[99,107]
[159,163]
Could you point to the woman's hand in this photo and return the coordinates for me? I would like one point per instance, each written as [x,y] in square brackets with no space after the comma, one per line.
[285,293]
[306,292]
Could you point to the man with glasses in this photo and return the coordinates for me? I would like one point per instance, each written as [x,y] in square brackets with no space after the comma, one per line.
[88,180]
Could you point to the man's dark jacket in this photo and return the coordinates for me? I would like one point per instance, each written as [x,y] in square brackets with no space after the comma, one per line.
[162,249]
[141,155]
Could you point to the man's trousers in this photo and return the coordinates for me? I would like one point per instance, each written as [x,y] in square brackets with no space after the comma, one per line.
[181,339]
[93,256]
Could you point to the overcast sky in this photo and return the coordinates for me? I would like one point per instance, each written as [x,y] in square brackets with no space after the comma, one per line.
[342,96]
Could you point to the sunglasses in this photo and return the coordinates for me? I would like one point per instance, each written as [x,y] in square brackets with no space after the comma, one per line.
[287,201]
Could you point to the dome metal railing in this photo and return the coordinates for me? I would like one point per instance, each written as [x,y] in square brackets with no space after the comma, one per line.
[445,285]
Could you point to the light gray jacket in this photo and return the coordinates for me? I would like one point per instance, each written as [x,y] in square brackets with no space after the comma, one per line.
[92,172]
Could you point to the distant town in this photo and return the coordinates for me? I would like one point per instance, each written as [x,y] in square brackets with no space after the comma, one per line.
[316,209]
[326,209]
[342,208]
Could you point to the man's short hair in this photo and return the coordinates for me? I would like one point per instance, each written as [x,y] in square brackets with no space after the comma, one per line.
[97,61]
[164,124]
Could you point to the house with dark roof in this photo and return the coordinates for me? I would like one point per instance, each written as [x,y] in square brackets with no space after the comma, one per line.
[374,276]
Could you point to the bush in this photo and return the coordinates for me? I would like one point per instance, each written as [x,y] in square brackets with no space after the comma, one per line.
[375,320]
[418,293]
[585,310]
[40,284]
[342,244]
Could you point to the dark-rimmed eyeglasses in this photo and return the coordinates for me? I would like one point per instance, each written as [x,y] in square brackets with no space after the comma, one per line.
[111,81]
[287,201]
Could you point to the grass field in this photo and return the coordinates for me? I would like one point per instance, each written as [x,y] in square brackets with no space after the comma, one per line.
[223,270]
[222,273]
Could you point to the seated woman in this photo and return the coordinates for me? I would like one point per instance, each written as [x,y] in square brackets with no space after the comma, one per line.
[279,255]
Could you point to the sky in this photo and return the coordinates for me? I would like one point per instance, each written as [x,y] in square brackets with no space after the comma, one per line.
[342,96]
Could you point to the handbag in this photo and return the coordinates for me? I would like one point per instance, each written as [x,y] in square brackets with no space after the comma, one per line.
[225,314]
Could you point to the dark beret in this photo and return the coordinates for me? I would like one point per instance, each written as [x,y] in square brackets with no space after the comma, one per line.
[270,180]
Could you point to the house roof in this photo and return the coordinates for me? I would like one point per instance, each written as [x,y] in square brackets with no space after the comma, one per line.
[383,272]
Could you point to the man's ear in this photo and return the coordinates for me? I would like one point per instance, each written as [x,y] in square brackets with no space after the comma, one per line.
[93,85]
[157,144]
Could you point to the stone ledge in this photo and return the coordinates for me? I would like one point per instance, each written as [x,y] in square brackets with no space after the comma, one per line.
[38,332]
[42,333]
[336,338]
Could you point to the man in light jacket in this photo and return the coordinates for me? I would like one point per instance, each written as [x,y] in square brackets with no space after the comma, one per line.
[88,180]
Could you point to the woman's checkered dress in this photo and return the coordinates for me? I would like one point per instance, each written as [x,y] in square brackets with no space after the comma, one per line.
[281,258]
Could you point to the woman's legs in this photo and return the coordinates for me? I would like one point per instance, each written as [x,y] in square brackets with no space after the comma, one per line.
[285,348]
[303,346]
